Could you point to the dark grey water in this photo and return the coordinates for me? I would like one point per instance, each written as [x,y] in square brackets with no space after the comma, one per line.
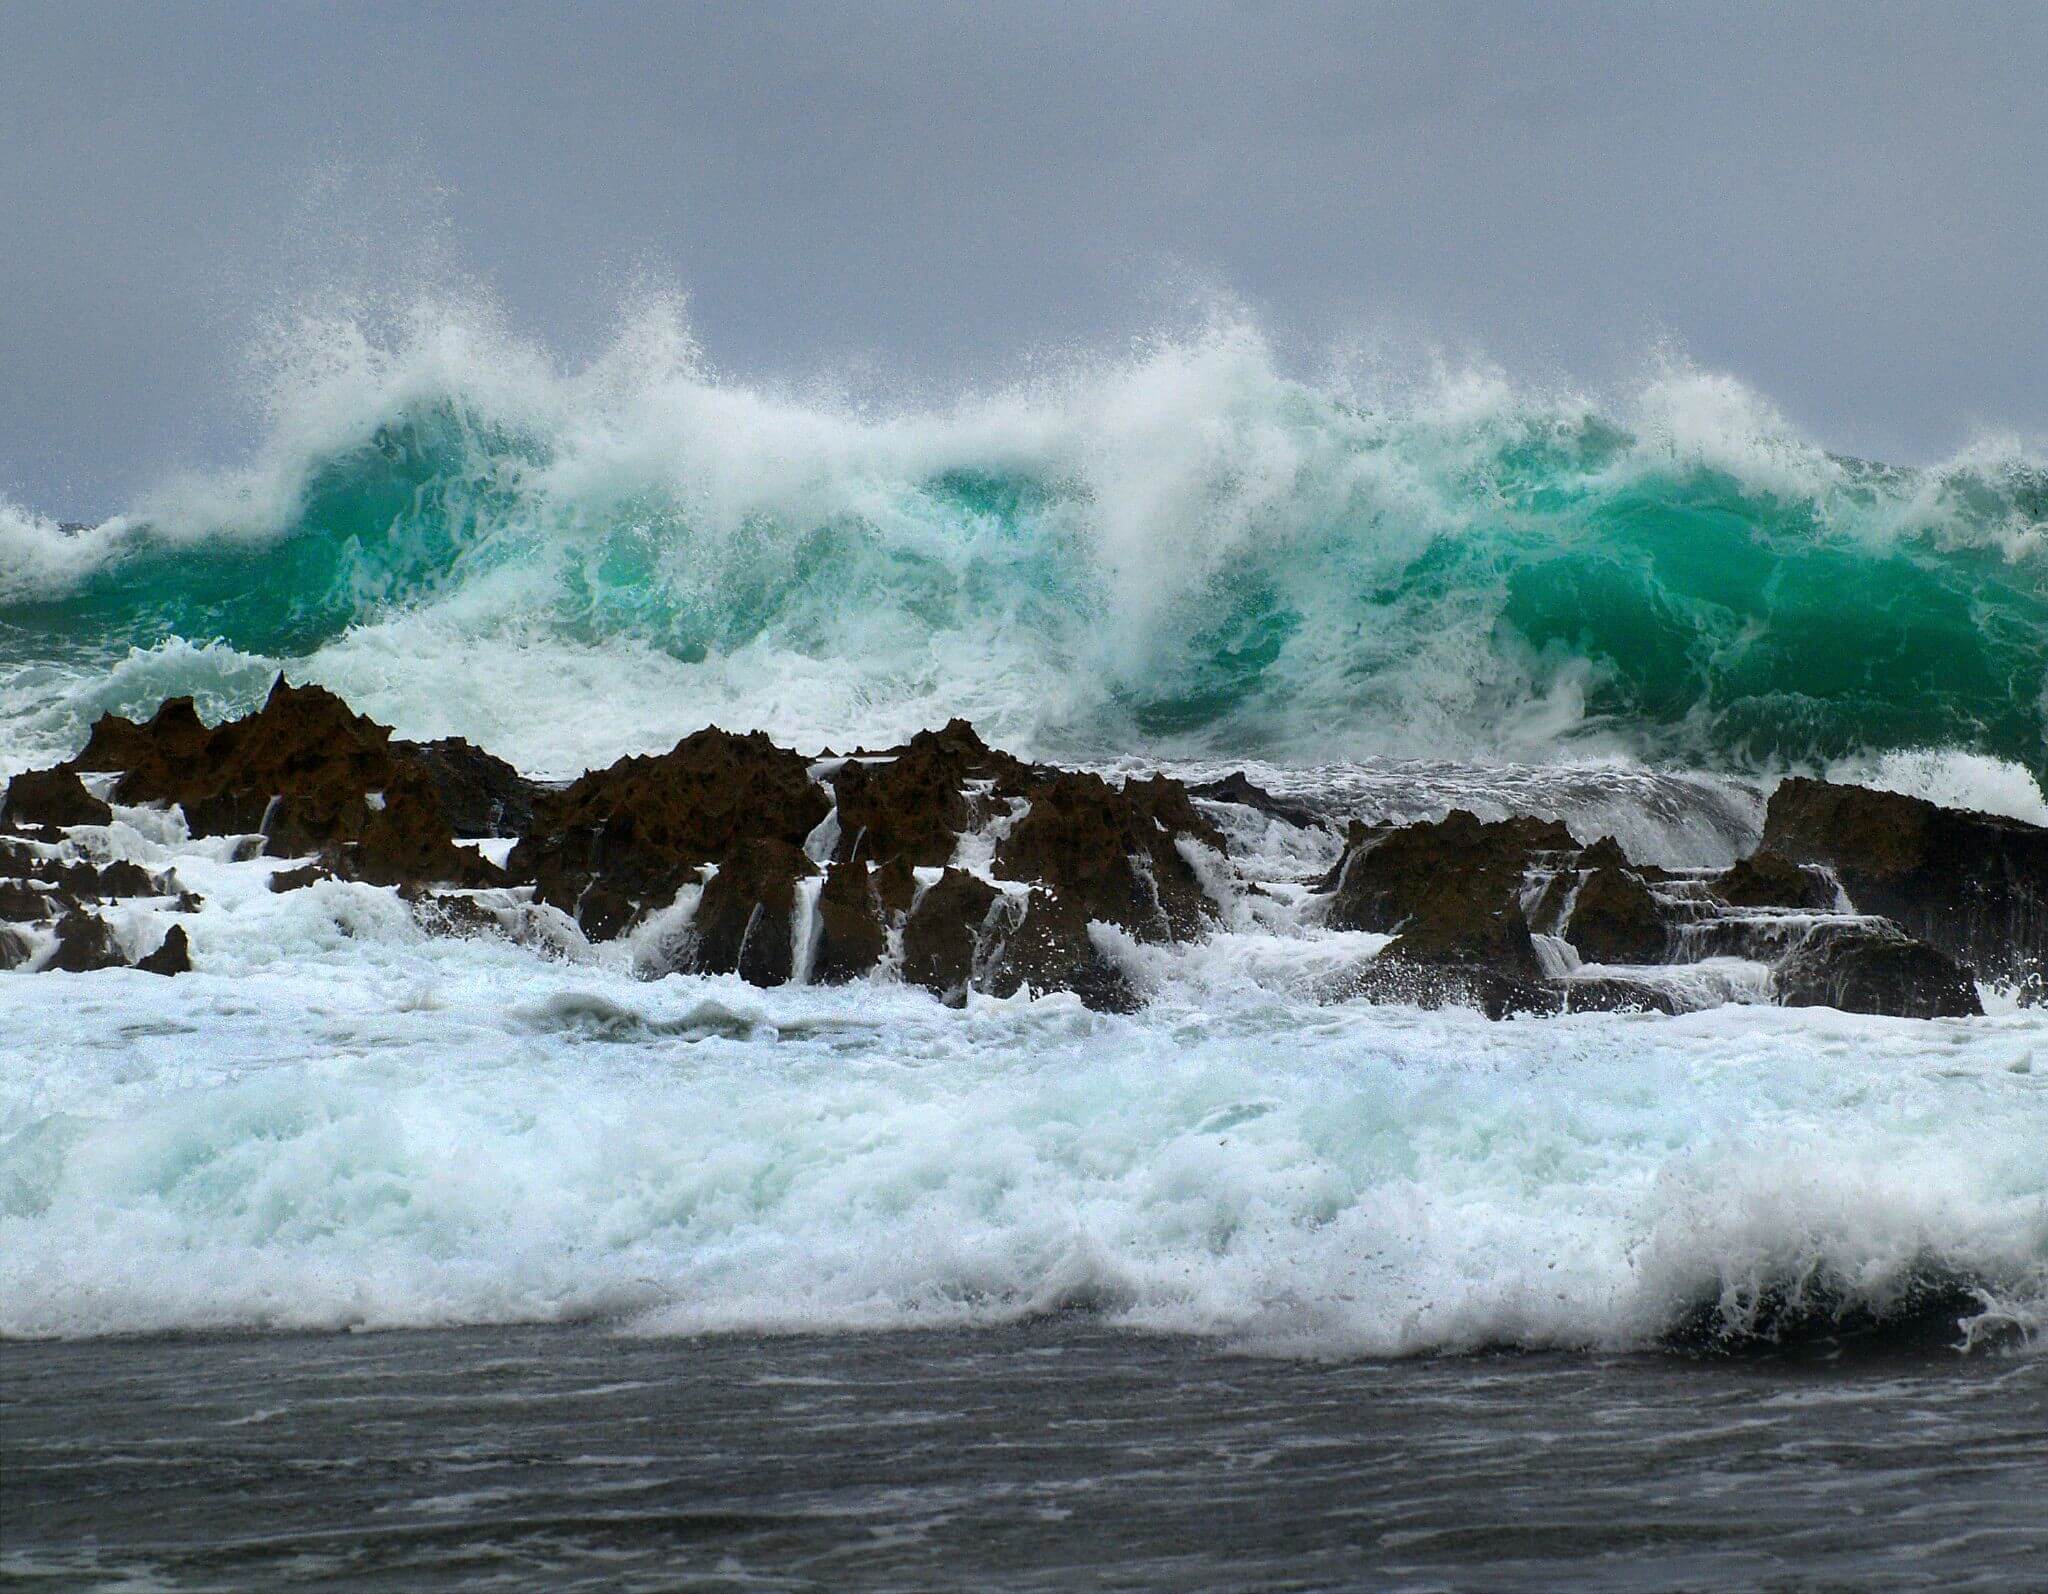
[1052,1456]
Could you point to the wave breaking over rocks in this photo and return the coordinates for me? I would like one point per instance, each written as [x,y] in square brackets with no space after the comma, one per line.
[948,864]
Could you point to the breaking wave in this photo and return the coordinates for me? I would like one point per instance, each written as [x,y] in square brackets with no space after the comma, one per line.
[1185,552]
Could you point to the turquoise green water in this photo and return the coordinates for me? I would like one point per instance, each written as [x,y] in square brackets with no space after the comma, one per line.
[1272,568]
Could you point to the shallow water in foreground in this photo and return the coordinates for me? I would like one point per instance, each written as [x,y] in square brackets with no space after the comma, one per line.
[1055,1454]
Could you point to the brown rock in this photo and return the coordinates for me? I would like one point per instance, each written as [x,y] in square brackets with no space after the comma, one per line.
[1450,889]
[943,938]
[1111,852]
[305,875]
[912,804]
[852,937]
[307,772]
[743,923]
[1864,966]
[1973,885]
[85,943]
[20,901]
[622,841]
[1614,916]
[478,794]
[52,797]
[174,956]
[1770,880]
[1051,950]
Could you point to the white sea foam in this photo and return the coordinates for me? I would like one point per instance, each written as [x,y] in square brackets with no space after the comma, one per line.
[338,1121]
[1951,777]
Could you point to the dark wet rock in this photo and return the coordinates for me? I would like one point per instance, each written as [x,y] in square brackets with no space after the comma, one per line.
[1393,978]
[309,874]
[1611,994]
[622,841]
[478,793]
[1974,885]
[15,948]
[1615,917]
[944,935]
[85,942]
[1869,966]
[1449,889]
[124,879]
[1113,852]
[1050,949]
[173,956]
[743,922]
[52,797]
[19,861]
[156,758]
[1771,880]
[911,804]
[21,902]
[306,772]
[852,935]
[896,885]
[1238,788]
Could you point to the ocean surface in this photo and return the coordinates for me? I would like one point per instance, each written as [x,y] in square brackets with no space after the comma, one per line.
[1250,1288]
[1048,1456]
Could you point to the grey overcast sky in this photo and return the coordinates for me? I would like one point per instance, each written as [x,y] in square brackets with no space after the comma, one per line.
[1845,205]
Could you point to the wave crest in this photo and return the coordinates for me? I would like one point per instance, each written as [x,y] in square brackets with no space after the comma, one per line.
[1187,550]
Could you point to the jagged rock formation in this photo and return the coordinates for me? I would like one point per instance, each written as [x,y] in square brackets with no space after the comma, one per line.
[1449,892]
[621,842]
[963,869]
[1466,901]
[309,775]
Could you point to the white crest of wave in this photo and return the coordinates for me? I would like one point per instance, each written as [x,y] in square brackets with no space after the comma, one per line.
[1952,778]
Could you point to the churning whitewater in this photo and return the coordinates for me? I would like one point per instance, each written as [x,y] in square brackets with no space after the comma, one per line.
[1633,617]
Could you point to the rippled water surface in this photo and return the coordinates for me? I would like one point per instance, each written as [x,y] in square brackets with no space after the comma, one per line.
[1057,1454]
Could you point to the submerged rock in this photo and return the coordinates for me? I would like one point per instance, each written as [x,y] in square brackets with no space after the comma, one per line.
[1390,977]
[1239,789]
